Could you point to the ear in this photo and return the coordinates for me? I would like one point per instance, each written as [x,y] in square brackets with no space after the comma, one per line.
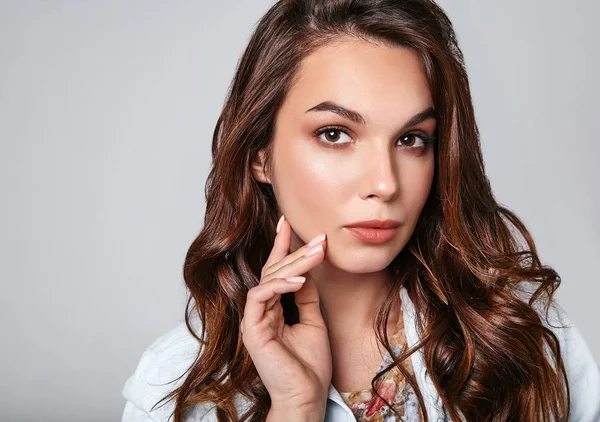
[258,168]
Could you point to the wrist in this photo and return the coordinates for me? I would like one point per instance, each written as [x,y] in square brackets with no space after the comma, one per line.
[308,413]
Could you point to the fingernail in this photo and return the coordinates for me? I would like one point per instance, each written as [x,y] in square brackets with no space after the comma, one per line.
[317,240]
[314,250]
[298,279]
[279,223]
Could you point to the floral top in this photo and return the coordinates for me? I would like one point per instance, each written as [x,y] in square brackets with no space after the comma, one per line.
[367,406]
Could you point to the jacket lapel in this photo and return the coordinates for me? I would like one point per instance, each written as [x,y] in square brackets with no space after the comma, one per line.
[433,402]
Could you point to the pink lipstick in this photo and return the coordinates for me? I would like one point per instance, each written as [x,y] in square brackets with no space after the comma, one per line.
[374,231]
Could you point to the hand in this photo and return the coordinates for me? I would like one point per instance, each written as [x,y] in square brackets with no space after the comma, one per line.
[293,362]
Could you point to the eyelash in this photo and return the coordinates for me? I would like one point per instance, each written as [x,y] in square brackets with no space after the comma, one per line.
[427,140]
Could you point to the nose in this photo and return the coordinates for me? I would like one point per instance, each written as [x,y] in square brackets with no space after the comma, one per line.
[380,176]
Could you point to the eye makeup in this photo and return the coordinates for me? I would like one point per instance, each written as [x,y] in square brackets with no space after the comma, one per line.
[427,140]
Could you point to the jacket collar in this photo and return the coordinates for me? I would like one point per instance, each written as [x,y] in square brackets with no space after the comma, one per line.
[433,404]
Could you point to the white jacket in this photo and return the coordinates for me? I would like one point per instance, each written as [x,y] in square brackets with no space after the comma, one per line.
[171,355]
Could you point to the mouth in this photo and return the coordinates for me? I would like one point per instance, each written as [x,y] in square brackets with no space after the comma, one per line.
[376,224]
[372,235]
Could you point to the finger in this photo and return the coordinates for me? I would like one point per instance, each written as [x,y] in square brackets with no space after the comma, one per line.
[299,253]
[272,302]
[277,298]
[307,301]
[300,266]
[258,297]
[281,245]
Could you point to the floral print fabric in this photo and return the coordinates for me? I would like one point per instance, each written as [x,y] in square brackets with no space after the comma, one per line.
[368,406]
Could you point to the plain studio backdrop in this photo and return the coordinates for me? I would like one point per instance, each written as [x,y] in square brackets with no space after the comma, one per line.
[107,110]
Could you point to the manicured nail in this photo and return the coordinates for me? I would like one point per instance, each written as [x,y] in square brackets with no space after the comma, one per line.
[298,279]
[314,250]
[280,222]
[316,240]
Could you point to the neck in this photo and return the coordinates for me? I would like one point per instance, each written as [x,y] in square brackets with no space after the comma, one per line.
[349,301]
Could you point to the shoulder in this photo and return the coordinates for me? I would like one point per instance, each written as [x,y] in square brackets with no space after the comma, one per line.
[582,370]
[161,368]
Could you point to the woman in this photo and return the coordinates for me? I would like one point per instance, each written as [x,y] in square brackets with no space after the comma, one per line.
[354,264]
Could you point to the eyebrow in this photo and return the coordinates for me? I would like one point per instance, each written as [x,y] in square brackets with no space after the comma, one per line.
[356,117]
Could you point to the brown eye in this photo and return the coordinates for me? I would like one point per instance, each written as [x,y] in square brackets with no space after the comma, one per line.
[331,135]
[410,139]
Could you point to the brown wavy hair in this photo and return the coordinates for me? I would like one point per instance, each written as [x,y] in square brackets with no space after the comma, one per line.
[485,347]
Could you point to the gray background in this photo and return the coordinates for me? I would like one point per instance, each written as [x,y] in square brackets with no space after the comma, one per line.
[106,114]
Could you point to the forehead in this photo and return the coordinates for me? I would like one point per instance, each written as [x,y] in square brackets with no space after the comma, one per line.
[374,79]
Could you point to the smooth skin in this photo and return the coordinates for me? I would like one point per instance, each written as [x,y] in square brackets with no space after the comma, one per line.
[371,166]
[293,362]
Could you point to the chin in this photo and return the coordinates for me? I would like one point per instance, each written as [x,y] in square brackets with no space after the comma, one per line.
[354,260]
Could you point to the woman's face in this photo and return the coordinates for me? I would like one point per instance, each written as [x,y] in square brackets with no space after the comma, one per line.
[374,162]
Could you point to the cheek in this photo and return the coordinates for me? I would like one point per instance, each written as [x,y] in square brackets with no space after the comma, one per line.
[308,187]
[415,186]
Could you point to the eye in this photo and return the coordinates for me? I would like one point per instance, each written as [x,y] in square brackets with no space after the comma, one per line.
[330,135]
[410,139]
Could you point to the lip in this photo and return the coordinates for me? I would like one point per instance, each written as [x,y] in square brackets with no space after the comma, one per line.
[372,235]
[374,231]
[375,224]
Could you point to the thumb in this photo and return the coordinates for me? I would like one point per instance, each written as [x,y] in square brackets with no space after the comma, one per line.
[307,301]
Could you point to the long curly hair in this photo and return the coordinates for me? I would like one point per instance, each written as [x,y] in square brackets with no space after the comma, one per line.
[485,347]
